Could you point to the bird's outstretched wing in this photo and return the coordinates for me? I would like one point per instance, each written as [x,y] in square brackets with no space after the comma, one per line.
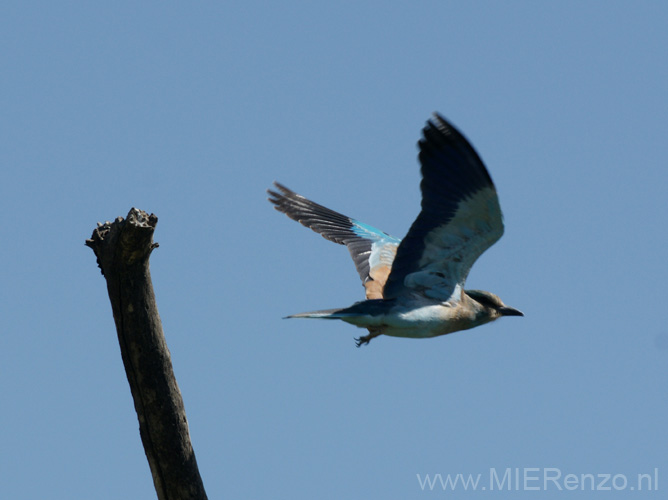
[372,250]
[460,218]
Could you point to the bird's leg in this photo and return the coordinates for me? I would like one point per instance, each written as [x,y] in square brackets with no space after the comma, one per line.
[373,332]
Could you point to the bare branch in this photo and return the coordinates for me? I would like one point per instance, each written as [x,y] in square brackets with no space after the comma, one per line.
[123,249]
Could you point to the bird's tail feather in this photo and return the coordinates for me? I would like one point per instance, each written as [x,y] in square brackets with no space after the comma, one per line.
[363,313]
[324,314]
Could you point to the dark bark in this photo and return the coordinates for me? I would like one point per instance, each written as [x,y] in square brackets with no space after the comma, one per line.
[123,249]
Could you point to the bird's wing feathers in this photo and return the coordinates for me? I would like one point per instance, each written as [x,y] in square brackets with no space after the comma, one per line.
[460,218]
[372,250]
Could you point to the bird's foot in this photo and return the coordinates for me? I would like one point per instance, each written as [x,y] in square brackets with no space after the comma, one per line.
[360,341]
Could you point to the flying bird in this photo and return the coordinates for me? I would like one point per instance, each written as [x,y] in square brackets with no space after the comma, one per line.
[415,286]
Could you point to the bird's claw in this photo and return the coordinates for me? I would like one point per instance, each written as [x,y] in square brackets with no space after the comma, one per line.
[360,341]
[373,333]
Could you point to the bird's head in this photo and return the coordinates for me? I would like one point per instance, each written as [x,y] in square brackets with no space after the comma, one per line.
[492,305]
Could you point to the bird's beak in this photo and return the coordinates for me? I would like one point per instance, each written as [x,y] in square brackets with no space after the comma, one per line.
[509,311]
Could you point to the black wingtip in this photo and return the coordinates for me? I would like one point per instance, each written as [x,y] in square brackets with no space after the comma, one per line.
[439,120]
[278,197]
[437,125]
[440,134]
[280,187]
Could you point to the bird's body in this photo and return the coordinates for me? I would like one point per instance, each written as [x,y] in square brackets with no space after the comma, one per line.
[418,318]
[415,286]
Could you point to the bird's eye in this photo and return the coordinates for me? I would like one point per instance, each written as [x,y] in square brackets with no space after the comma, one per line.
[483,299]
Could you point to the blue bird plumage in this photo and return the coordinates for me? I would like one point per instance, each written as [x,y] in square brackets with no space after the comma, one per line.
[415,286]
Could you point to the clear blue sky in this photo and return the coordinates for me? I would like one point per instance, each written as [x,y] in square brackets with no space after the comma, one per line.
[190,111]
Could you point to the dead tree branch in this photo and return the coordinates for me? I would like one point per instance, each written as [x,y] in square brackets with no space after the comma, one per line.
[123,249]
